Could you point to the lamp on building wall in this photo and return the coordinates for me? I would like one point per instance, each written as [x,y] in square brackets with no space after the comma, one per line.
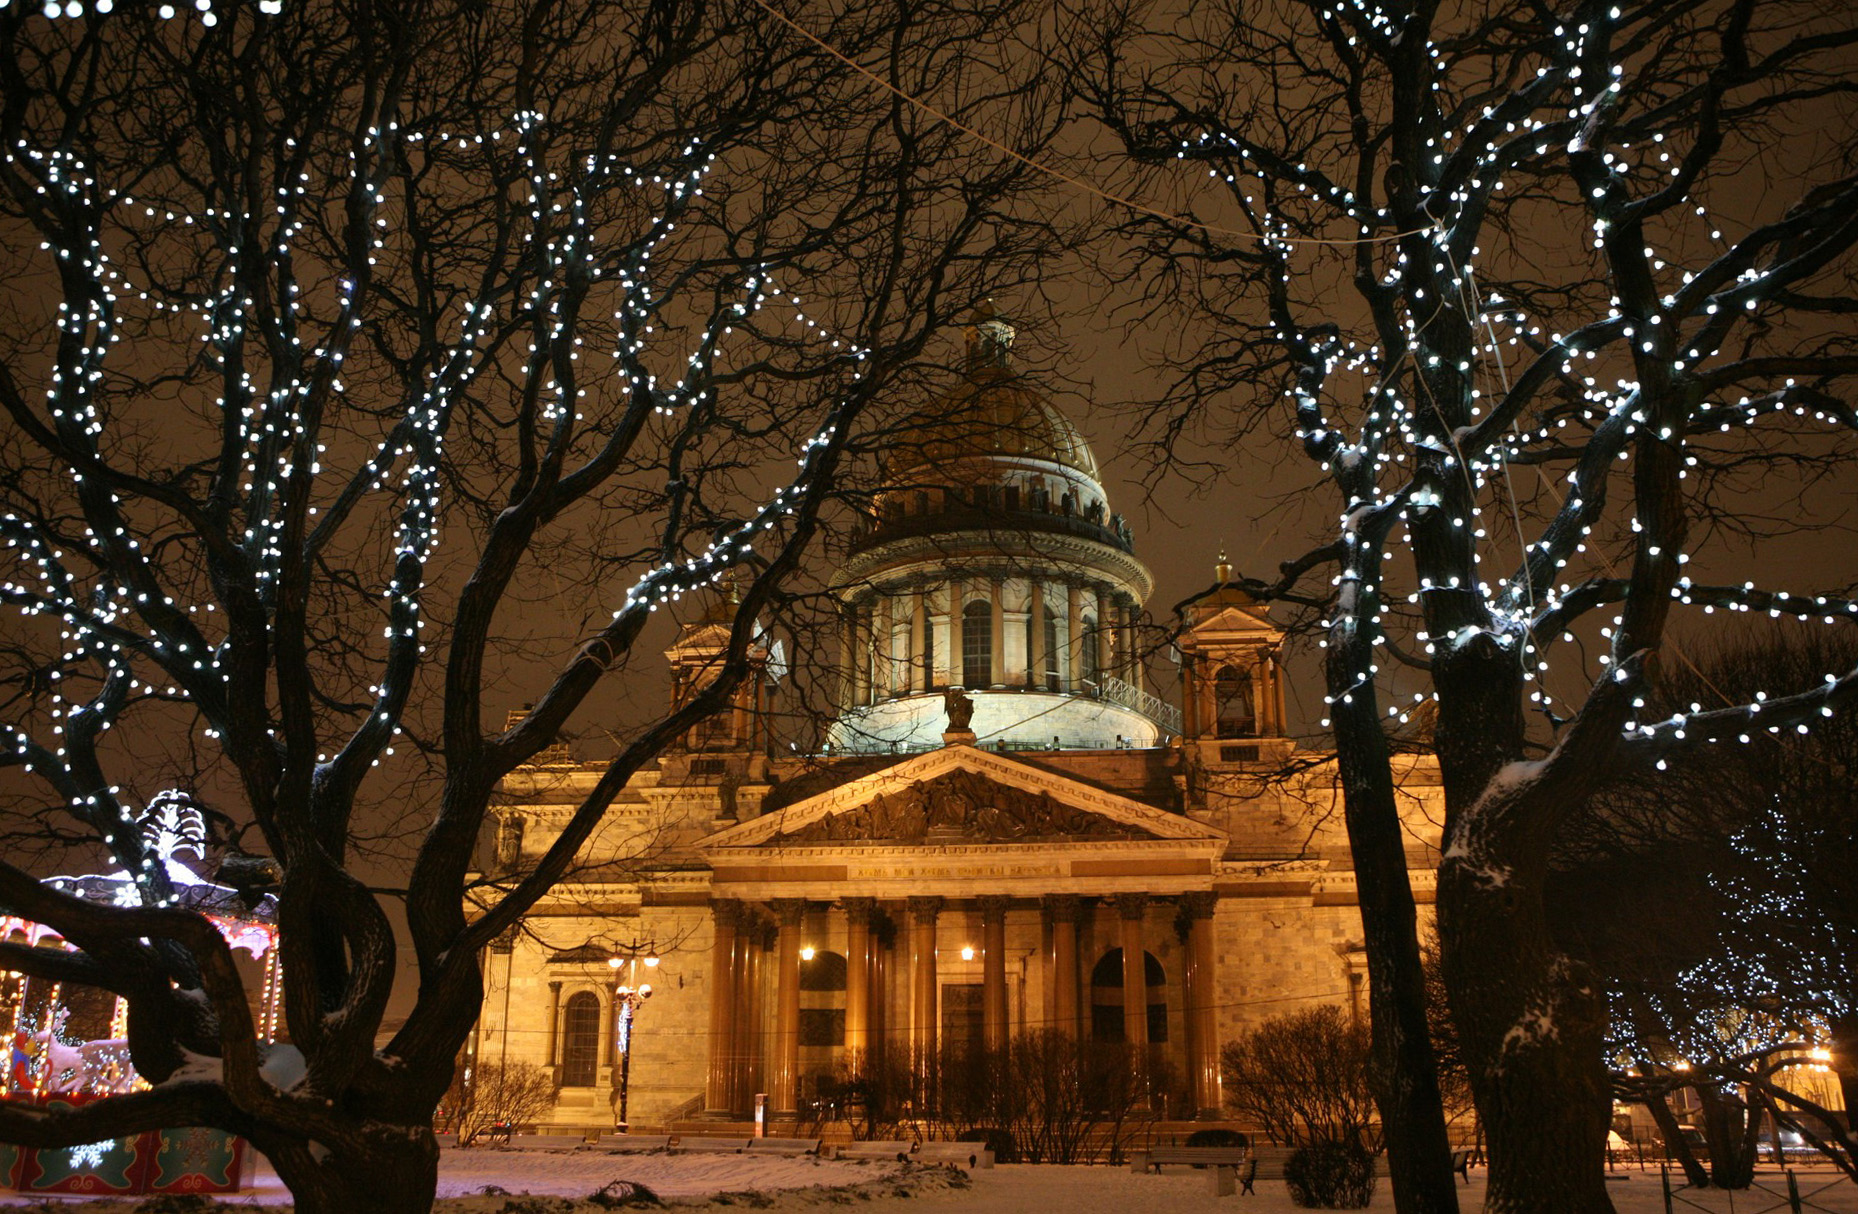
[628,996]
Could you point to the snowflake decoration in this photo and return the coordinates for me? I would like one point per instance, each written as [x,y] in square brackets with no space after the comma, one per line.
[90,1154]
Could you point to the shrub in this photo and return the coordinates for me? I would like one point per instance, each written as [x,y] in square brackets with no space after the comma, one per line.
[996,1139]
[1216,1138]
[1304,1077]
[1330,1176]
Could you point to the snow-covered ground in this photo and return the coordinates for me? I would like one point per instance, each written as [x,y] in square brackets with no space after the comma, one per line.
[791,1186]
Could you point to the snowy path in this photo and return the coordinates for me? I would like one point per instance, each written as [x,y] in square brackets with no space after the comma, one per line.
[792,1186]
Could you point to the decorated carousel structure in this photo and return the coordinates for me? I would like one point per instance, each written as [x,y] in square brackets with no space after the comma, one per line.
[69,1044]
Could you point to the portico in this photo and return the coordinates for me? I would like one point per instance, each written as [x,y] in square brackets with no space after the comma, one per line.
[962,889]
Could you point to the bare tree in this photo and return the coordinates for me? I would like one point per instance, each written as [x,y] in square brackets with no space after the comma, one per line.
[1538,310]
[342,332]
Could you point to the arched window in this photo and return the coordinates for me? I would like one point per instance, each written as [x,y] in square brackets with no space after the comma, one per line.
[580,1040]
[1093,667]
[1232,703]
[977,645]
[1106,998]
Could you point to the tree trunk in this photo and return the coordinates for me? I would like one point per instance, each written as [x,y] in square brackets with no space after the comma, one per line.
[1406,1073]
[1532,1027]
[1675,1145]
[1845,1065]
[386,1169]
[1731,1129]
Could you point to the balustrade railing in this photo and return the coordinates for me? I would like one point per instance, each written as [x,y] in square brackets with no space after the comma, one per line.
[1152,706]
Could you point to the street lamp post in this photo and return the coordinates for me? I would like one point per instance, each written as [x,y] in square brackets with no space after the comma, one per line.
[628,996]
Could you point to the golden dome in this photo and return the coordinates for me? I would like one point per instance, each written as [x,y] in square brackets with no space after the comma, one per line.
[994,414]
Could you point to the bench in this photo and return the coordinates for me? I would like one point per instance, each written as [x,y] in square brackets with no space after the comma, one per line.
[962,1154]
[898,1150]
[1461,1164]
[694,1144]
[632,1144]
[548,1142]
[783,1146]
[1228,1167]
[1154,1157]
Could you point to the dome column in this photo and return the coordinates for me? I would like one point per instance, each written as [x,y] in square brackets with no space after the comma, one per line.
[1074,638]
[1035,633]
[1102,639]
[919,652]
[997,593]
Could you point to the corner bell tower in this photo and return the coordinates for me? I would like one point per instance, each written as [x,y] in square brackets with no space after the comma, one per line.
[1232,688]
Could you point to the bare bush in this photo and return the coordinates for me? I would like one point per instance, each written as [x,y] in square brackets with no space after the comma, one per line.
[1304,1078]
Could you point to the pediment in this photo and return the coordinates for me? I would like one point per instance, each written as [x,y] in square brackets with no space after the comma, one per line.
[1236,619]
[959,795]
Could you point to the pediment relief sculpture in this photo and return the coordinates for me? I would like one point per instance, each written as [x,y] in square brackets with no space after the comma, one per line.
[961,806]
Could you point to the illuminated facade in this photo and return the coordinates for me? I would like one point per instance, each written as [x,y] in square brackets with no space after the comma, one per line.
[1005,828]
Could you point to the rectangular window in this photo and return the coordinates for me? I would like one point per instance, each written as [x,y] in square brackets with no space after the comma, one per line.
[964,1017]
[822,1026]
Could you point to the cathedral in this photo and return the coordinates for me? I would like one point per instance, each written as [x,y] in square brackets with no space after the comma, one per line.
[1003,828]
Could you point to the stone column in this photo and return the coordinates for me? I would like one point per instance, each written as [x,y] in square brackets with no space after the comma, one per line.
[716,1093]
[1035,636]
[554,1024]
[1063,911]
[1131,908]
[993,969]
[998,674]
[1190,695]
[609,1029]
[784,1078]
[883,1021]
[748,1012]
[858,978]
[1202,1010]
[923,985]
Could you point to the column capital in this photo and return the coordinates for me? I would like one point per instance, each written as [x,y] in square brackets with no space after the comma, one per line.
[992,904]
[924,910]
[728,912]
[789,911]
[554,986]
[859,910]
[1131,906]
[1063,908]
[1198,905]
